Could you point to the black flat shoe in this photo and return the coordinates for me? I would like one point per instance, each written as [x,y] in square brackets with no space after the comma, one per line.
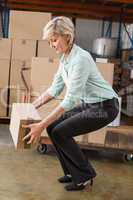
[65,179]
[76,187]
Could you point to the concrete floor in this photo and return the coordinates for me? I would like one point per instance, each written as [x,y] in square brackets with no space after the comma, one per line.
[27,175]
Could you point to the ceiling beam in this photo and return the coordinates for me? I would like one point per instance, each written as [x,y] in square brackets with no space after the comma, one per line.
[74,5]
[120,1]
[74,8]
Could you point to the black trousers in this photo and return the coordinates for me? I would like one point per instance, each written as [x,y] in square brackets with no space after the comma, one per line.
[82,119]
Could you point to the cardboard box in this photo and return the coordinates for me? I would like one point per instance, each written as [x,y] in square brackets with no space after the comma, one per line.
[22,114]
[83,139]
[5,48]
[23,49]
[3,102]
[93,138]
[116,121]
[44,50]
[20,74]
[97,137]
[27,24]
[42,74]
[107,71]
[4,72]
[119,137]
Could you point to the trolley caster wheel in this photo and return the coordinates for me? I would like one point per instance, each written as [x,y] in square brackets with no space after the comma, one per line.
[128,157]
[42,148]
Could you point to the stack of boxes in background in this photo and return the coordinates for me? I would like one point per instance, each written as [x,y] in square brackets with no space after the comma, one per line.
[25,34]
[22,52]
[5,52]
[16,54]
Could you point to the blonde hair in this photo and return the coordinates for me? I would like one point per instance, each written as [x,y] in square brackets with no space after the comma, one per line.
[59,25]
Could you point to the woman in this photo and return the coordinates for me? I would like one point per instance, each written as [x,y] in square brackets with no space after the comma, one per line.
[89,104]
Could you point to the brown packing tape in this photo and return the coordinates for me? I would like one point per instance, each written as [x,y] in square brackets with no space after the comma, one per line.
[20,71]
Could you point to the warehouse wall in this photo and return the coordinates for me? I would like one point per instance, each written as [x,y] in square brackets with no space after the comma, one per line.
[88,30]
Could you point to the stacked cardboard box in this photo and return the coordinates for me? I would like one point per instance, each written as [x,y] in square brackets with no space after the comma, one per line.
[24,33]
[5,52]
[42,73]
[27,25]
[107,71]
[44,50]
[22,52]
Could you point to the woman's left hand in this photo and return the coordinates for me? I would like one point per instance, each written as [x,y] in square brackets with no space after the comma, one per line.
[35,132]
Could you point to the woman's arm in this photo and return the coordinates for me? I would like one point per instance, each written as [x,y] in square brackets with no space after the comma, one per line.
[42,99]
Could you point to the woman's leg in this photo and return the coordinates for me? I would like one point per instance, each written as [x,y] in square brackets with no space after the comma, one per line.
[87,119]
[52,126]
[59,154]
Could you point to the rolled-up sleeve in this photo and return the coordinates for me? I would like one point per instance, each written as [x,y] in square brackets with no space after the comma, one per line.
[57,85]
[76,83]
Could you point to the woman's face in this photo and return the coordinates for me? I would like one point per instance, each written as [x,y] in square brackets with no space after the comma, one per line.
[59,43]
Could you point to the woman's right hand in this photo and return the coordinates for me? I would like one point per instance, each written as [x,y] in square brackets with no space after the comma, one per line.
[35,132]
